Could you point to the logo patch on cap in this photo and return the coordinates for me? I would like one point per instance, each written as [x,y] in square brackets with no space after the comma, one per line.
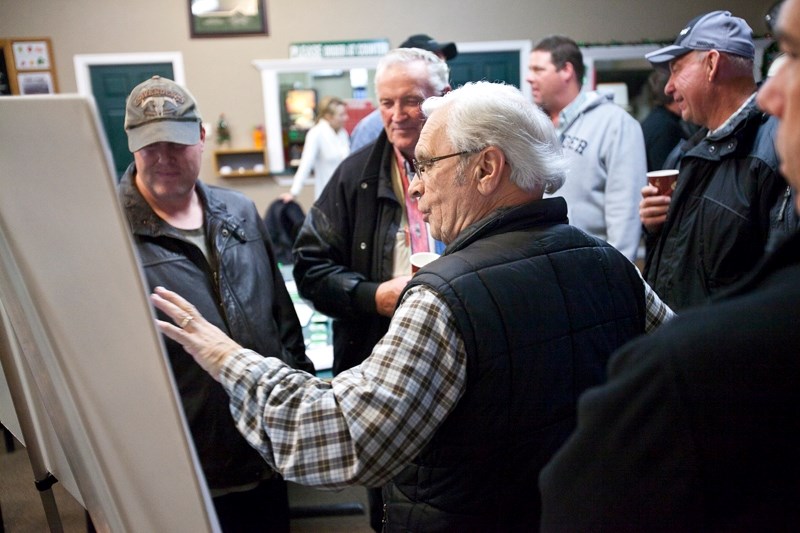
[159,102]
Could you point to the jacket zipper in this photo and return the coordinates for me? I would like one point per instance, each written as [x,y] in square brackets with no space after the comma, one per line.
[782,211]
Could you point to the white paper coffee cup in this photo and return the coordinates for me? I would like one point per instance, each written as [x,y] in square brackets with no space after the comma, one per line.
[420,259]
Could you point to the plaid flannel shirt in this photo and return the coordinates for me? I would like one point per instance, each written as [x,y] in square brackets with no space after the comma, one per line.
[370,421]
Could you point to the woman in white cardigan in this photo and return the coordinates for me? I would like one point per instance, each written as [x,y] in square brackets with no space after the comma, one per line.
[326,145]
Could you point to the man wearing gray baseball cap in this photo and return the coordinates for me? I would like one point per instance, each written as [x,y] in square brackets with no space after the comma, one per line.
[715,226]
[211,243]
[160,110]
[718,30]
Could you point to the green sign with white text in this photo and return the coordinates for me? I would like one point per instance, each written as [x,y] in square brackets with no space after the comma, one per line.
[337,49]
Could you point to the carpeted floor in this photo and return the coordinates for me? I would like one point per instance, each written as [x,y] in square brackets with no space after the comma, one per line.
[23,512]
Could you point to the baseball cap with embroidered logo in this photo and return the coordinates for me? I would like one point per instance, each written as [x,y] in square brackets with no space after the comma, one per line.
[718,30]
[160,110]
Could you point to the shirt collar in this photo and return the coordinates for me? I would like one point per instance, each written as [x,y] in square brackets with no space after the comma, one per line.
[569,113]
[733,116]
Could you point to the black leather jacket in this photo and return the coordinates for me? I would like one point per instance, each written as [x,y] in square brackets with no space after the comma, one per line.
[243,294]
[719,219]
[345,248]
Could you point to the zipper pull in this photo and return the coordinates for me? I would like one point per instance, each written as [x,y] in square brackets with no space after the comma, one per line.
[786,195]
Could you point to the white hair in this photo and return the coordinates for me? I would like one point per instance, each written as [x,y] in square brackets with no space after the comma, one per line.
[481,114]
[438,71]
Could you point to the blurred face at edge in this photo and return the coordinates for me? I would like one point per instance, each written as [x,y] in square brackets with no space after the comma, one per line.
[780,95]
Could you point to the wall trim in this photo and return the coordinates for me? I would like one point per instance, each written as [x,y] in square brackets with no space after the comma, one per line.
[83,62]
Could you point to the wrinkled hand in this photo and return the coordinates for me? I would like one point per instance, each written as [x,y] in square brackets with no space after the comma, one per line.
[653,209]
[204,341]
[388,293]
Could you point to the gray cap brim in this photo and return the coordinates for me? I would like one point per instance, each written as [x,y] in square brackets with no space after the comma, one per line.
[172,131]
[666,54]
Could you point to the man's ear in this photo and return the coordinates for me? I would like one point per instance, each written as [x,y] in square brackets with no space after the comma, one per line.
[489,170]
[567,71]
[446,90]
[711,64]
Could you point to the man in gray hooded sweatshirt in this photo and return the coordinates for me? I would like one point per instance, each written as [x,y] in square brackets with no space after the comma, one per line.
[605,146]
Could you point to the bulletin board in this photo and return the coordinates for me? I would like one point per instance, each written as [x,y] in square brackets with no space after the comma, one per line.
[27,66]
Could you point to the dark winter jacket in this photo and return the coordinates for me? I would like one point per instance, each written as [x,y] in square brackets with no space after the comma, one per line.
[345,250]
[243,294]
[719,219]
[697,427]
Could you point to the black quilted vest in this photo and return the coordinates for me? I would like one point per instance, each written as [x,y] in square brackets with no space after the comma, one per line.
[541,306]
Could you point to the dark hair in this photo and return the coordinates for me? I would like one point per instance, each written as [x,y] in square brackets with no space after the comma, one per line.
[656,82]
[563,50]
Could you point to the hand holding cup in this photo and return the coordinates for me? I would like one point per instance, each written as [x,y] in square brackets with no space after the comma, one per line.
[663,180]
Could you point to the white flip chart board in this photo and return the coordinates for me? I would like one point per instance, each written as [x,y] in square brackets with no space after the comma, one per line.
[97,381]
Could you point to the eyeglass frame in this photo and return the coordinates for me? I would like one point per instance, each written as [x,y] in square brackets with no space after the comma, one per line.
[420,167]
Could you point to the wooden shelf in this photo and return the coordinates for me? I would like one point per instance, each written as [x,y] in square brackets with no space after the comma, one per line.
[241,163]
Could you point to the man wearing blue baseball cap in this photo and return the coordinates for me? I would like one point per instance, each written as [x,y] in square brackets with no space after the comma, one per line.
[714,227]
[718,30]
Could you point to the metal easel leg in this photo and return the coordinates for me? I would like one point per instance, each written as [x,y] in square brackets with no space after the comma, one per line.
[43,480]
[9,439]
[45,488]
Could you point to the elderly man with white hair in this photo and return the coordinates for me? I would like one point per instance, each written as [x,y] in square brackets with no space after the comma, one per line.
[473,388]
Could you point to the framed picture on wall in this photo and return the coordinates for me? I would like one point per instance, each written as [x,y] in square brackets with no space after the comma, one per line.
[35,83]
[31,55]
[227,18]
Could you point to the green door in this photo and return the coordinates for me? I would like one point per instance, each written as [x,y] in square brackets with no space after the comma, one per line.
[111,85]
[489,66]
